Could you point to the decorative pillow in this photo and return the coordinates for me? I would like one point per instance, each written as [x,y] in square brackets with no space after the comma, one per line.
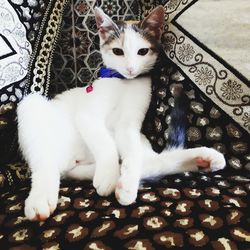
[40,63]
[21,31]
[219,94]
[15,50]
[20,22]
[8,138]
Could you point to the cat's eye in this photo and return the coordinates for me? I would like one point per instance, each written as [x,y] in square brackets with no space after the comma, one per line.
[143,52]
[118,52]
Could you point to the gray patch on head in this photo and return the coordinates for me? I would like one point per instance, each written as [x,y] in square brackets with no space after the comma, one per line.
[154,42]
[120,27]
[116,33]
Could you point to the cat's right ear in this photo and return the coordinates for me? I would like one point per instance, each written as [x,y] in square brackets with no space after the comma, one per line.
[104,24]
[153,24]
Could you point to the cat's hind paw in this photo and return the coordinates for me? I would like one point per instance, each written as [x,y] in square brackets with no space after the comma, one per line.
[210,159]
[38,207]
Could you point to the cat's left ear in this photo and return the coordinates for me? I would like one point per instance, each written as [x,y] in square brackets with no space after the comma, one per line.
[104,23]
[153,24]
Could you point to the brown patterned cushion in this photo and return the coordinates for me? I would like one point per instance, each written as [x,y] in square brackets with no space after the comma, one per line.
[211,212]
[13,175]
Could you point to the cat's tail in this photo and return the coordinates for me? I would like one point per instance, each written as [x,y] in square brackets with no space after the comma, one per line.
[31,123]
[174,159]
[178,119]
[42,127]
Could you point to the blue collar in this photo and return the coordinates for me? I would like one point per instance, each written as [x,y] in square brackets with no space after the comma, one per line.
[109,73]
[105,73]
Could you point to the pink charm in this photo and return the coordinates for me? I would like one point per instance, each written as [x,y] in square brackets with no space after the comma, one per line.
[89,88]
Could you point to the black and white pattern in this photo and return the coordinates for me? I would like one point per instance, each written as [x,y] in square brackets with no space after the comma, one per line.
[224,85]
[213,75]
[20,21]
[15,53]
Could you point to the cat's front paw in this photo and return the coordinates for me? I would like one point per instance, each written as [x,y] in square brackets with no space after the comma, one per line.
[210,159]
[39,205]
[105,180]
[126,189]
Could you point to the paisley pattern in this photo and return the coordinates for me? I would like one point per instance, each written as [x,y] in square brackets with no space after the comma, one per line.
[212,213]
[20,21]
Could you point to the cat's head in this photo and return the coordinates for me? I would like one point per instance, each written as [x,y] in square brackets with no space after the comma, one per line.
[130,47]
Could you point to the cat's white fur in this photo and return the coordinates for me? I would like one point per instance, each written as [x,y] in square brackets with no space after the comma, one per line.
[82,135]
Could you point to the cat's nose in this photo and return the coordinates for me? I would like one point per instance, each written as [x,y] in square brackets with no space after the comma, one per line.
[130,70]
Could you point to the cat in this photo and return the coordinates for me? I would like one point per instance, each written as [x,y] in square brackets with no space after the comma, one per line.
[94,132]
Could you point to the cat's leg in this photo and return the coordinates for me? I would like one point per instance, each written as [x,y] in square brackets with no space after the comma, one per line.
[181,160]
[82,171]
[103,148]
[45,147]
[130,148]
[43,196]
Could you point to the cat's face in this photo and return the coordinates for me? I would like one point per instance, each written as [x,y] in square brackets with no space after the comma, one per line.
[131,48]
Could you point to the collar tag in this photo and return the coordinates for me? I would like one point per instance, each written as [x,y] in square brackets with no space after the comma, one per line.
[105,73]
[89,88]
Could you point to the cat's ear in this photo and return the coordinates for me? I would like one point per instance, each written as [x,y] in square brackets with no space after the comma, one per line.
[104,23]
[153,24]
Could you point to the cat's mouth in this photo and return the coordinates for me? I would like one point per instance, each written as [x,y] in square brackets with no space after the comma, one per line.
[130,76]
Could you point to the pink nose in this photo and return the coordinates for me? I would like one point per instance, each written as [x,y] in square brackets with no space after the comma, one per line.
[130,70]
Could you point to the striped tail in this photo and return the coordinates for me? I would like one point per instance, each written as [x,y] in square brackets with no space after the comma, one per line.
[177,126]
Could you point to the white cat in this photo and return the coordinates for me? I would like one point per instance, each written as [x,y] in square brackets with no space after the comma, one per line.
[82,133]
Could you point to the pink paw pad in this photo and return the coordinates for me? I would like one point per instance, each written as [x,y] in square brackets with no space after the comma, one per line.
[118,186]
[202,162]
[40,217]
